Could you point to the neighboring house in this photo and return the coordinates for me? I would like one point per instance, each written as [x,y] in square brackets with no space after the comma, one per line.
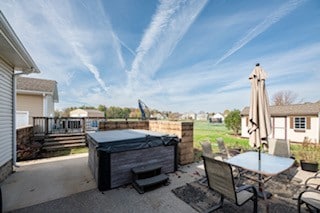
[189,116]
[217,118]
[202,116]
[35,98]
[14,60]
[81,113]
[291,122]
[93,117]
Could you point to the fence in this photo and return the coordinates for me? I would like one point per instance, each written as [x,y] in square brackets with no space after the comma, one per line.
[63,125]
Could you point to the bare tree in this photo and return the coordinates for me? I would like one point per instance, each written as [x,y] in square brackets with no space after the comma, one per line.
[284,97]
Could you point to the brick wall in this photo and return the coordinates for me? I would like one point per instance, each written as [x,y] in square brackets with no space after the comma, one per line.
[112,125]
[5,171]
[184,130]
[26,147]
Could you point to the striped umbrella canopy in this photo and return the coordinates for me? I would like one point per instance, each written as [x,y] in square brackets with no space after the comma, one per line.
[259,127]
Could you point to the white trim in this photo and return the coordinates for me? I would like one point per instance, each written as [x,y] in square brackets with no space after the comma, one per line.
[33,92]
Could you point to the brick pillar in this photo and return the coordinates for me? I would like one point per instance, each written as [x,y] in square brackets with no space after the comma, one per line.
[184,130]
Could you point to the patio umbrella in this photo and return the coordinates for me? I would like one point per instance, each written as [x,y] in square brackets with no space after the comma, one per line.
[259,117]
[259,127]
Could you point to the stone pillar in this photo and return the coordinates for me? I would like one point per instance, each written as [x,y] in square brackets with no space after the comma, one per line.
[184,130]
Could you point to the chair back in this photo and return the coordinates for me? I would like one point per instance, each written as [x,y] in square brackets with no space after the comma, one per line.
[220,177]
[206,149]
[222,147]
[279,147]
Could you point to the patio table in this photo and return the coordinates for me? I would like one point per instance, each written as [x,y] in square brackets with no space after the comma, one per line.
[266,168]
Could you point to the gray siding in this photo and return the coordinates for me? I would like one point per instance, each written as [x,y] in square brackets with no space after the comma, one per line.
[6,110]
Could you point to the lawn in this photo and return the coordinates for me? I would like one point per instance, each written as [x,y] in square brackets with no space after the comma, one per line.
[205,131]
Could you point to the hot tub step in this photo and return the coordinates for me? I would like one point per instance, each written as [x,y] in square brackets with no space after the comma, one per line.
[145,169]
[142,184]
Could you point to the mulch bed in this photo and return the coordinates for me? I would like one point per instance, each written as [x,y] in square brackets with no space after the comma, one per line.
[201,198]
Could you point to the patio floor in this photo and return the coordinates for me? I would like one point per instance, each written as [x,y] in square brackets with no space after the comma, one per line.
[65,184]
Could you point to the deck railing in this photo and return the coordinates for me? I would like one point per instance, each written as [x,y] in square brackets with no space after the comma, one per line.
[64,125]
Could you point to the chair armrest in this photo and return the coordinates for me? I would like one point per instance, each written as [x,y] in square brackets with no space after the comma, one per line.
[313,185]
[307,190]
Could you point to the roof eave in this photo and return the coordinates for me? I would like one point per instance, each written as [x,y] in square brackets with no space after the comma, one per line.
[12,42]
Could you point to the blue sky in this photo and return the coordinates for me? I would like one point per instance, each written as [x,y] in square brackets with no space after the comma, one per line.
[175,55]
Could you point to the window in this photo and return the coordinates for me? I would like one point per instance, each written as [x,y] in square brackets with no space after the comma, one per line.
[300,123]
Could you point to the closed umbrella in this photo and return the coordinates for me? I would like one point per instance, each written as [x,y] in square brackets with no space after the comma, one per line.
[259,127]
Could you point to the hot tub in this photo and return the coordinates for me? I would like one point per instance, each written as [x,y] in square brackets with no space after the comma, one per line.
[112,154]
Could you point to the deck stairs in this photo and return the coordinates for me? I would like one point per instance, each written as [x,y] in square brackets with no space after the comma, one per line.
[148,177]
[54,142]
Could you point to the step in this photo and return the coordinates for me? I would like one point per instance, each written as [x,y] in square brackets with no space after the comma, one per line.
[52,148]
[145,169]
[65,135]
[64,138]
[142,184]
[53,143]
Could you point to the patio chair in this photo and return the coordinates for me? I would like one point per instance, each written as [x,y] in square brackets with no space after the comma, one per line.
[311,194]
[220,179]
[206,149]
[224,149]
[279,147]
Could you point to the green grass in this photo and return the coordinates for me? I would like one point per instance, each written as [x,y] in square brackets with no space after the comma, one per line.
[205,131]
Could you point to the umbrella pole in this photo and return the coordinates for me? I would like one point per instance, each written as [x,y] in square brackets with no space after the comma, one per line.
[261,192]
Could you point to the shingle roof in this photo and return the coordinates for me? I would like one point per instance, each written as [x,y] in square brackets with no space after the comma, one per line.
[35,84]
[294,109]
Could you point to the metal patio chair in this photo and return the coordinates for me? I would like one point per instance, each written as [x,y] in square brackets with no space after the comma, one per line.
[223,149]
[279,147]
[311,194]
[220,179]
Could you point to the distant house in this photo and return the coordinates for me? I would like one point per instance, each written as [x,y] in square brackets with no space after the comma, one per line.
[35,98]
[202,116]
[291,122]
[217,118]
[189,116]
[93,117]
[14,60]
[82,113]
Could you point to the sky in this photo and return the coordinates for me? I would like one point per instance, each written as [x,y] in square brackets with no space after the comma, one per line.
[174,55]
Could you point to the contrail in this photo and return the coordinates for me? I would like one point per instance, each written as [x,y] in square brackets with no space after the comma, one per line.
[263,26]
[169,24]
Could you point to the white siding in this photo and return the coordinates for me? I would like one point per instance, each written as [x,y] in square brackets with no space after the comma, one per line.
[49,106]
[22,118]
[244,127]
[312,133]
[6,110]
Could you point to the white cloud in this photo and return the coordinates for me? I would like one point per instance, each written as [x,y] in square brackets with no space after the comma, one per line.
[170,22]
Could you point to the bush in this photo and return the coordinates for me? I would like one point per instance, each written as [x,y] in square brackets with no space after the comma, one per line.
[233,121]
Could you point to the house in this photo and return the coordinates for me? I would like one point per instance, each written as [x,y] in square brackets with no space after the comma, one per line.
[290,122]
[217,118]
[14,60]
[93,117]
[35,98]
[81,113]
[189,116]
[202,116]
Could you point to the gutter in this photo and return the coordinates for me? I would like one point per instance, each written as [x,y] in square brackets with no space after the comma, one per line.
[14,124]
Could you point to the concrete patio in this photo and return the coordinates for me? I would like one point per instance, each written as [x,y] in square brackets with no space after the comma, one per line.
[65,184]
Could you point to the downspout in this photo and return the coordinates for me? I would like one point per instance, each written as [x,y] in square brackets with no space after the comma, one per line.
[14,131]
[318,127]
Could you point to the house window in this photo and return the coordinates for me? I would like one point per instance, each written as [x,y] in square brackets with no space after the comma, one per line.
[300,123]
